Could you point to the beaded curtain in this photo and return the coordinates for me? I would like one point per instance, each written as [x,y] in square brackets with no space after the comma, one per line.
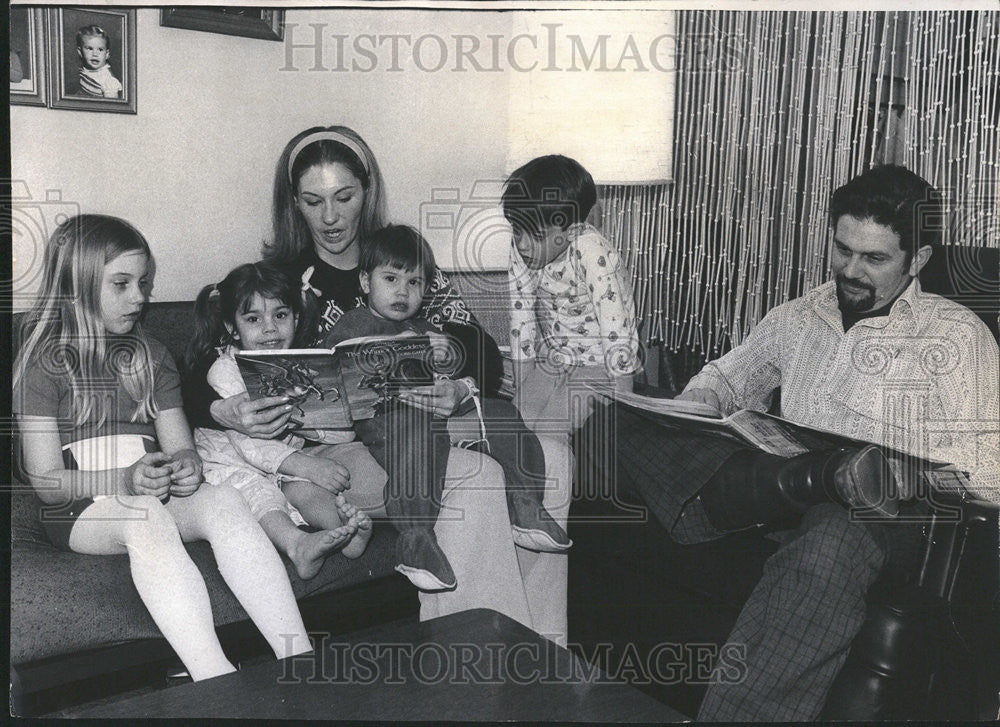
[774,111]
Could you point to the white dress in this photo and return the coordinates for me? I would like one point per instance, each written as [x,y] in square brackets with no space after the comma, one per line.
[247,463]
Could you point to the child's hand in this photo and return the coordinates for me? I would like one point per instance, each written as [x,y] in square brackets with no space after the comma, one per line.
[186,473]
[149,475]
[329,475]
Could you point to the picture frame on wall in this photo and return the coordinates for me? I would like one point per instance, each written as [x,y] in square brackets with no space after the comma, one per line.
[27,56]
[261,23]
[92,59]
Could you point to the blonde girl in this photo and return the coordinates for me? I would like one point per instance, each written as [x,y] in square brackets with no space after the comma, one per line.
[106,446]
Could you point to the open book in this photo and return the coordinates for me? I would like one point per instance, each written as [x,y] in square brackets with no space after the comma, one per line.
[775,435]
[765,431]
[332,388]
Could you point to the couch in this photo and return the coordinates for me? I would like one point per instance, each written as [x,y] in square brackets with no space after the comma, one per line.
[78,628]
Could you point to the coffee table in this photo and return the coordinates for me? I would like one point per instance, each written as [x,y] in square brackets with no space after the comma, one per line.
[473,665]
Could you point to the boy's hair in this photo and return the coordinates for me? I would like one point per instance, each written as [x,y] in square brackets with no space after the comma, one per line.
[398,246]
[64,331]
[896,198]
[92,31]
[550,191]
[219,304]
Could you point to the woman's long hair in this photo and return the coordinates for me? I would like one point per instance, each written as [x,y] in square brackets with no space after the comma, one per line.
[290,232]
[216,308]
[64,330]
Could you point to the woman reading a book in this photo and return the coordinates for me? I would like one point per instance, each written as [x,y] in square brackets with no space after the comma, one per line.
[328,197]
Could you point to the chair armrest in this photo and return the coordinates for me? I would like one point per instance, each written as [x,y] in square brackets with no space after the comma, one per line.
[946,537]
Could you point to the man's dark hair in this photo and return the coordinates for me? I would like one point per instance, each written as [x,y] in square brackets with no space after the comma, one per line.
[550,191]
[897,198]
[398,246]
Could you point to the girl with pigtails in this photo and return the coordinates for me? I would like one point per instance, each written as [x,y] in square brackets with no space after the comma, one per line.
[258,307]
[108,451]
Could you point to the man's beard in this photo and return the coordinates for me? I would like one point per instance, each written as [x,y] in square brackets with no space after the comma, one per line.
[851,304]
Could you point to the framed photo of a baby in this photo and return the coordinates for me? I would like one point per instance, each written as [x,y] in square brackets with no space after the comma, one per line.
[92,59]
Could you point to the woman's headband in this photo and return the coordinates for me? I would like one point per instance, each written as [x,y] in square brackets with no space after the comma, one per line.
[326,136]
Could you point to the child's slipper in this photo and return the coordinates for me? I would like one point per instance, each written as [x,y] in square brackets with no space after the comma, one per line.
[533,528]
[425,580]
[538,540]
[178,674]
[423,562]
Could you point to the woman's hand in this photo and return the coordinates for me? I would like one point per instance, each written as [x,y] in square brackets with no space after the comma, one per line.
[265,418]
[441,398]
[150,475]
[186,476]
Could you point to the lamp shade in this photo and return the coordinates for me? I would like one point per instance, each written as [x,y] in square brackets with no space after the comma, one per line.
[600,90]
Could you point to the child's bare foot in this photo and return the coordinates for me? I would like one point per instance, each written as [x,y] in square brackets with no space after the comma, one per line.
[310,550]
[351,515]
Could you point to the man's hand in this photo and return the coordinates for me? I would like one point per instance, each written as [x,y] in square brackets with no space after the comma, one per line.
[705,396]
[265,418]
[331,476]
[149,475]
[186,476]
[441,398]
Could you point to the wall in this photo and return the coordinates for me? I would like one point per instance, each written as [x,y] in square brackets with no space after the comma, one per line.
[193,168]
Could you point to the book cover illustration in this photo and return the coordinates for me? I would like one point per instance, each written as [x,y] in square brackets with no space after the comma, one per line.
[376,368]
[311,379]
[332,388]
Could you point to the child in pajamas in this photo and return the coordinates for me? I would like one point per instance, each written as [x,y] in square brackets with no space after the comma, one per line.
[573,321]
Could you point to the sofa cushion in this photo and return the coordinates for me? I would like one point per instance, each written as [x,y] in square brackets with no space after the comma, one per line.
[172,324]
[65,602]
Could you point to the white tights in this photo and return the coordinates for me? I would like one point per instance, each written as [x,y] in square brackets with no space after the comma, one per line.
[170,584]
